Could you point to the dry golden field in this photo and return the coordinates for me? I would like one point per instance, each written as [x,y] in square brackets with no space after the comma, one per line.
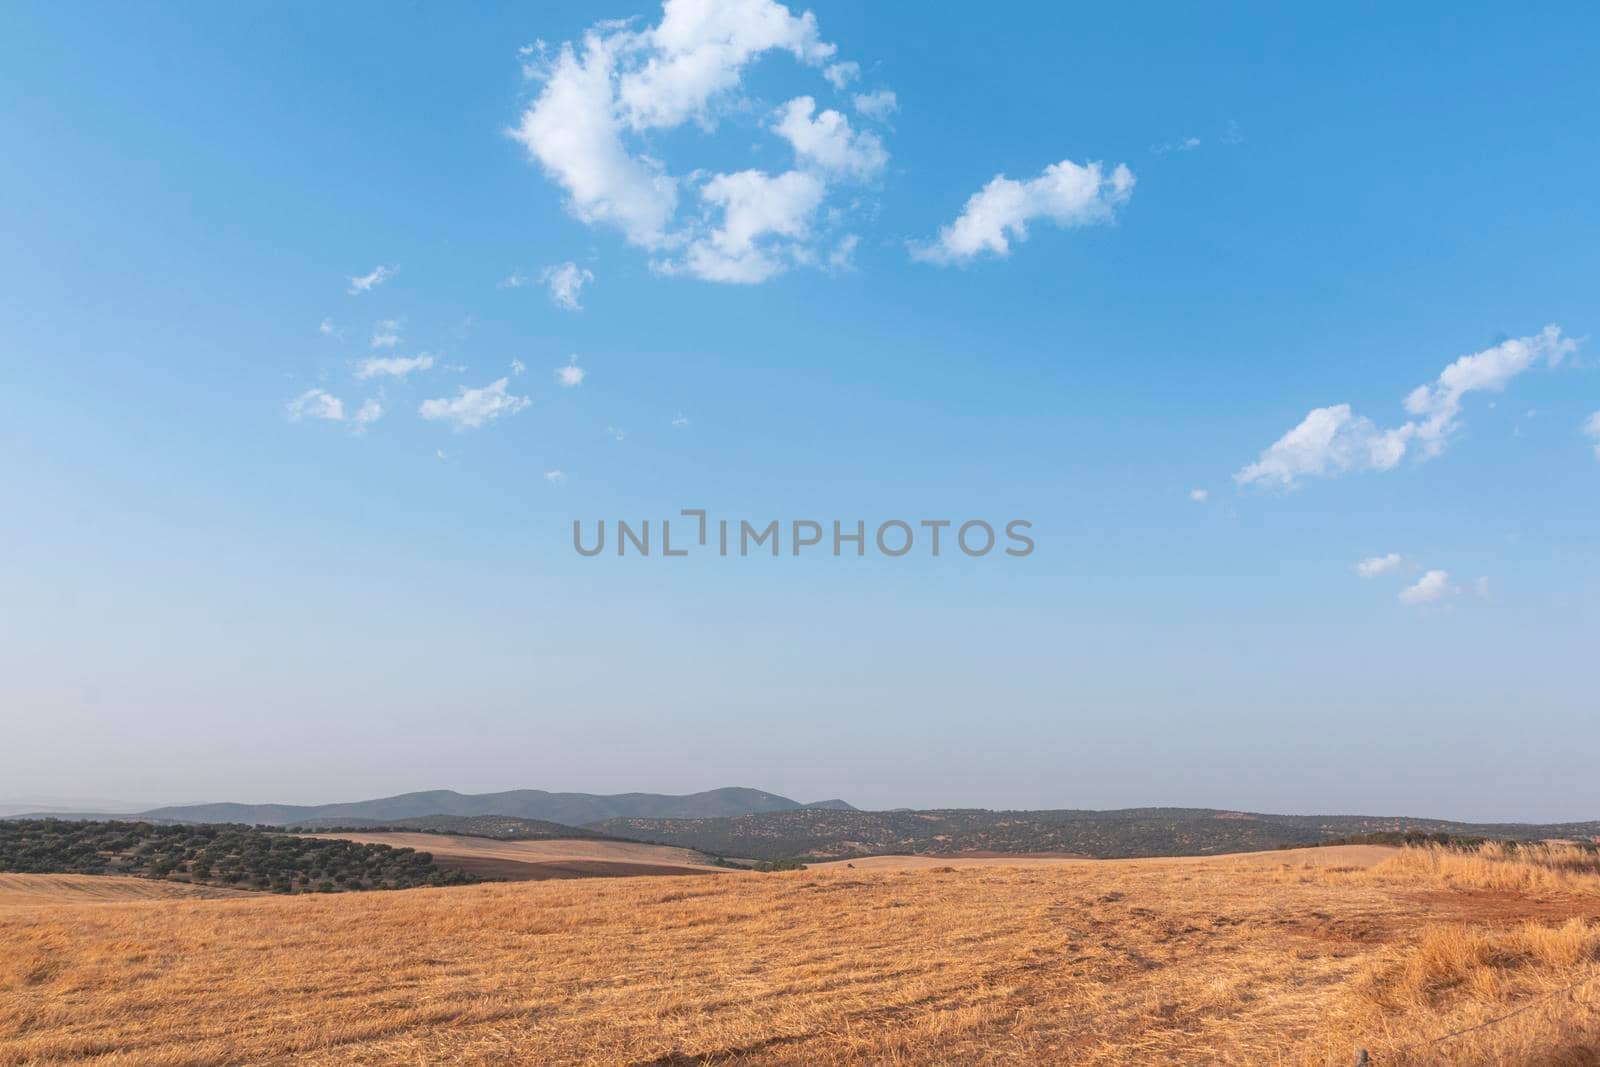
[516,861]
[1288,957]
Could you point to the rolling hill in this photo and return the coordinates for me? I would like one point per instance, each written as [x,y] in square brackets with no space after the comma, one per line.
[570,809]
[1122,833]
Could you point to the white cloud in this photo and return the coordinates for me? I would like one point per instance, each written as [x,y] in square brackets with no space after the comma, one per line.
[843,255]
[1592,429]
[878,105]
[327,329]
[571,375]
[827,142]
[1429,589]
[365,282]
[555,477]
[316,404]
[1373,566]
[679,421]
[393,366]
[1064,193]
[386,333]
[602,100]
[470,409]
[756,209]
[369,412]
[615,433]
[320,404]
[518,367]
[1199,496]
[1333,440]
[514,280]
[1185,144]
[1328,442]
[841,74]
[566,281]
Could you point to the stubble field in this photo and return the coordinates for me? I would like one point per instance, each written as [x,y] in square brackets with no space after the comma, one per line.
[1290,957]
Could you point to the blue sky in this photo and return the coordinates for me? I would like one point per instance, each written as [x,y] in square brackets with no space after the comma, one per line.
[1084,264]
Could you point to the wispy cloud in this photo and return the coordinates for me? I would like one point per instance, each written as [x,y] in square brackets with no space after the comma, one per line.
[386,333]
[1333,440]
[556,477]
[393,366]
[514,280]
[1065,193]
[1199,496]
[315,404]
[367,282]
[840,75]
[518,367]
[321,405]
[1592,429]
[471,409]
[1373,566]
[877,105]
[571,375]
[327,329]
[679,421]
[616,433]
[565,282]
[1182,144]
[369,412]
[1431,588]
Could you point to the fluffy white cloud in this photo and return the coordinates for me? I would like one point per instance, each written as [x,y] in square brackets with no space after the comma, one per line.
[1333,440]
[1065,193]
[471,408]
[386,333]
[571,375]
[518,367]
[1429,589]
[878,105]
[327,329]
[755,209]
[601,100]
[1199,496]
[1592,429]
[393,366]
[555,477]
[315,404]
[1373,566]
[827,142]
[365,282]
[565,281]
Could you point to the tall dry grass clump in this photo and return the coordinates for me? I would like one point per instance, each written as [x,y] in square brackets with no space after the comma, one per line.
[1540,868]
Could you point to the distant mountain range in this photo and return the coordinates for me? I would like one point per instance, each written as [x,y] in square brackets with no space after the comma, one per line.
[755,825]
[571,809]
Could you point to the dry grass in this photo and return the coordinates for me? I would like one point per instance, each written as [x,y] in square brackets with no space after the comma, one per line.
[53,890]
[1551,868]
[1279,958]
